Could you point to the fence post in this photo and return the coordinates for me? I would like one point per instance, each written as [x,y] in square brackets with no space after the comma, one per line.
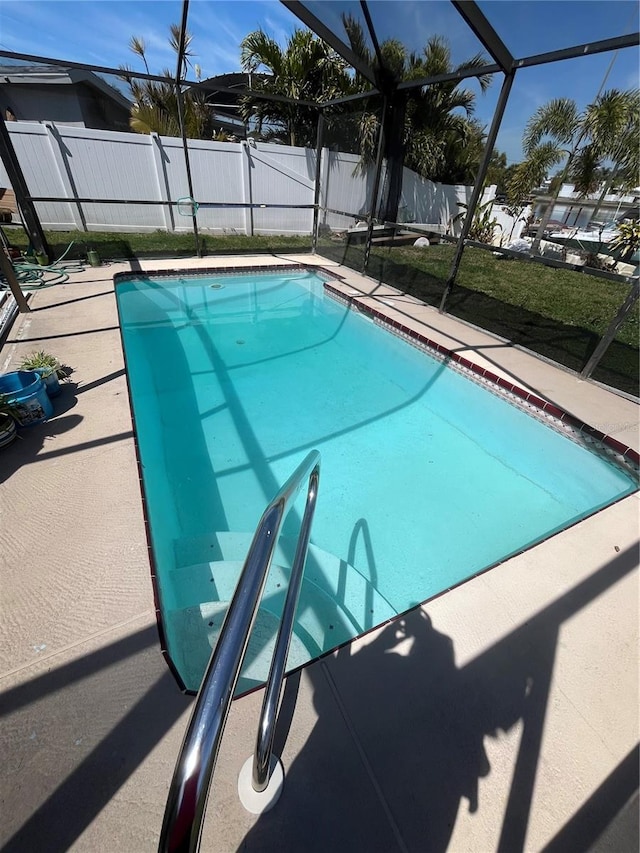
[247,192]
[324,182]
[59,154]
[159,164]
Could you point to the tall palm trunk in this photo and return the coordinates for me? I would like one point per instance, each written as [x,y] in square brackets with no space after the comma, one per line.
[546,216]
[607,186]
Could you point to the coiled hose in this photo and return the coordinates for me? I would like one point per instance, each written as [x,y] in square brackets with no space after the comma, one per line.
[33,275]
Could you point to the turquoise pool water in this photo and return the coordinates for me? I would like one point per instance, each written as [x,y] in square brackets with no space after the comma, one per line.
[427,478]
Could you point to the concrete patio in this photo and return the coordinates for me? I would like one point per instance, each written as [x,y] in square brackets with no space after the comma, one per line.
[502,715]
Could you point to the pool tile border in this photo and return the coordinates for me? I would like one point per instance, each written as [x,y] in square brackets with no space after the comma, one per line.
[541,409]
[198,272]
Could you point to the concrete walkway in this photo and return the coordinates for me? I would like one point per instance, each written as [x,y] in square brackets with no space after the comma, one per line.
[500,716]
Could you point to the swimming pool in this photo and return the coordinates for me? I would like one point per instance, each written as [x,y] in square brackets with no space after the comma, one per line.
[427,477]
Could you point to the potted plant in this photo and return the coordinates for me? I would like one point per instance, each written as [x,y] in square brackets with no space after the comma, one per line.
[626,243]
[8,420]
[49,369]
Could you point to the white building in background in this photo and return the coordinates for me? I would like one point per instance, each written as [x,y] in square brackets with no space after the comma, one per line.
[572,210]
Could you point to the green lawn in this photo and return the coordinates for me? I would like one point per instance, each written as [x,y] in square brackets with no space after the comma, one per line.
[113,246]
[573,298]
[560,314]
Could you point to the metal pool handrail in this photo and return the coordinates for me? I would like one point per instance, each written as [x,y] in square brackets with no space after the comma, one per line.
[187,800]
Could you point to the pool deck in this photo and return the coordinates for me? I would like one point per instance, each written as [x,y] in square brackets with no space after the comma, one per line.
[502,715]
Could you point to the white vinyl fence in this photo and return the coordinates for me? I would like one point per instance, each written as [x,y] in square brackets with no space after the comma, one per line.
[75,163]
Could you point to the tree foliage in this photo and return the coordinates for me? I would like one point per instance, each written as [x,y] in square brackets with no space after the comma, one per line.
[440,138]
[306,69]
[155,103]
[627,240]
[606,131]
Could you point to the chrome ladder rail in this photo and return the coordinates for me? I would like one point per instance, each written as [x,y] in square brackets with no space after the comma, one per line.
[189,790]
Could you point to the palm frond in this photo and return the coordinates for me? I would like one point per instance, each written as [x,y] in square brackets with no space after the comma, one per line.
[607,119]
[138,46]
[585,170]
[357,39]
[258,50]
[532,171]
[559,120]
[479,60]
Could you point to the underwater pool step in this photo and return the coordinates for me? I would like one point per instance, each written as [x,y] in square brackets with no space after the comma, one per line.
[357,596]
[218,545]
[217,581]
[336,604]
[193,625]
[198,628]
[320,619]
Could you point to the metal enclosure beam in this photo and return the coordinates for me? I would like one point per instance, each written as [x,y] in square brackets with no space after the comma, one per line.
[17,180]
[140,75]
[316,189]
[630,40]
[207,86]
[485,32]
[83,66]
[375,188]
[358,96]
[183,131]
[372,32]
[7,270]
[609,335]
[459,74]
[479,184]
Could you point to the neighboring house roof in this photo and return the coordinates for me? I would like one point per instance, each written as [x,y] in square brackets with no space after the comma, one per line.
[237,81]
[18,79]
[225,103]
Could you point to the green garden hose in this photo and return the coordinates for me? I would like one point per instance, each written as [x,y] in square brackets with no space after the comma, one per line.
[33,275]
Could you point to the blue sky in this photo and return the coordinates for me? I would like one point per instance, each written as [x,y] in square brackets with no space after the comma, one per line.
[98,31]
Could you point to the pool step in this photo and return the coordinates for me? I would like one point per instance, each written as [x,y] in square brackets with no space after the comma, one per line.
[206,588]
[320,620]
[198,628]
[336,604]
[355,594]
[221,545]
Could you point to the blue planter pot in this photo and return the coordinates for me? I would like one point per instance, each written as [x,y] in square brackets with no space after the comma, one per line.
[48,376]
[25,389]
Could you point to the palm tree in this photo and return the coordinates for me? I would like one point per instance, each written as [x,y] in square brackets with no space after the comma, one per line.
[155,110]
[624,153]
[429,129]
[438,137]
[531,173]
[425,127]
[557,131]
[155,104]
[305,69]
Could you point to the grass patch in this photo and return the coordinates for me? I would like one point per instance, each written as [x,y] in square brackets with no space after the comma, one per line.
[113,246]
[560,314]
